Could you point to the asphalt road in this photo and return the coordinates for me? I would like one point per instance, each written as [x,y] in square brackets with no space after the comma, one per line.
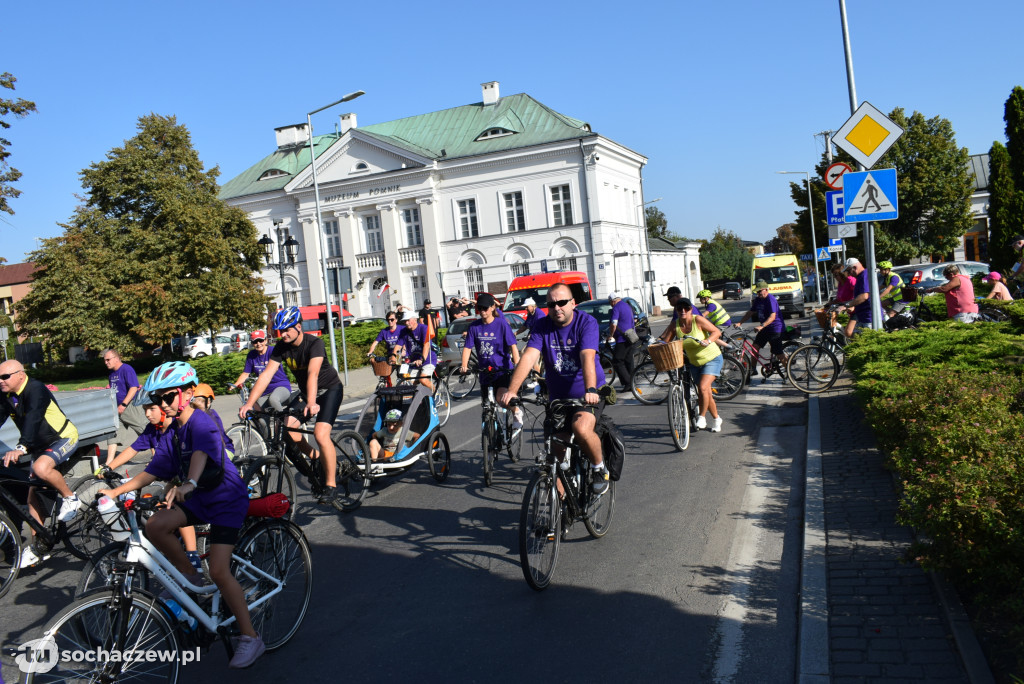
[696,581]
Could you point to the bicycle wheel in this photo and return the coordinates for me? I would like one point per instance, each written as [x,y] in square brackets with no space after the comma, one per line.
[487,444]
[353,462]
[278,548]
[678,418]
[97,571]
[812,369]
[86,533]
[92,623]
[540,522]
[10,553]
[443,403]
[833,344]
[730,380]
[247,442]
[263,476]
[515,436]
[599,511]
[439,456]
[649,385]
[460,385]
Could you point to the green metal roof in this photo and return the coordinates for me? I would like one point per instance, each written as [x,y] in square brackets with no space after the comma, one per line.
[451,131]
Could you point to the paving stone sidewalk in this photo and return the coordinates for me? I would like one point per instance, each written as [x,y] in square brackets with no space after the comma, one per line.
[886,618]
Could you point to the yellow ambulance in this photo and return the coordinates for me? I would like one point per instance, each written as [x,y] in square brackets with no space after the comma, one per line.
[782,273]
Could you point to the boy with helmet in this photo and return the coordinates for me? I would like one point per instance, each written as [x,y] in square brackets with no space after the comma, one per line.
[713,311]
[256,361]
[388,438]
[197,449]
[202,399]
[893,290]
[320,389]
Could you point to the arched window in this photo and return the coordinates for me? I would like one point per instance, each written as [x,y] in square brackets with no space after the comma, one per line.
[494,133]
[360,167]
[272,173]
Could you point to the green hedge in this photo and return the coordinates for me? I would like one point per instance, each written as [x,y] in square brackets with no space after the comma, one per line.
[946,403]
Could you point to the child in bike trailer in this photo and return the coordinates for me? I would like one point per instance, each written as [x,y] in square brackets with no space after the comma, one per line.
[386,442]
[197,454]
[158,438]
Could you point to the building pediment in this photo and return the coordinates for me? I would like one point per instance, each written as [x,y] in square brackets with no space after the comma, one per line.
[356,155]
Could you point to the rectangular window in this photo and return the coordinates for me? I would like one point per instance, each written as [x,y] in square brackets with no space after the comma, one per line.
[568,264]
[467,218]
[374,238]
[520,270]
[515,218]
[413,232]
[561,205]
[333,238]
[474,281]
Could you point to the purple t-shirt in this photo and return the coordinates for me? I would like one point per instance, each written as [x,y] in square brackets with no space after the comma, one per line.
[389,337]
[863,310]
[493,343]
[765,307]
[122,380]
[227,503]
[152,437]
[622,316]
[561,349]
[257,363]
[412,342]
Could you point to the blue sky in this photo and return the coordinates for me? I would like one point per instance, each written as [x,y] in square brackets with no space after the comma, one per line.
[718,95]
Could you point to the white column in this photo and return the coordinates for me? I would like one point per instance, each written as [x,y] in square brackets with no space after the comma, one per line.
[348,227]
[432,249]
[311,252]
[389,226]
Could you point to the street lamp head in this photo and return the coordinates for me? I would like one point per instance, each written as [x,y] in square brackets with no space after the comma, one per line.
[268,247]
[291,249]
[352,96]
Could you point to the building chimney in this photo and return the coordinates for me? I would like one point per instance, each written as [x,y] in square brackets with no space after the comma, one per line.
[490,92]
[347,122]
[291,136]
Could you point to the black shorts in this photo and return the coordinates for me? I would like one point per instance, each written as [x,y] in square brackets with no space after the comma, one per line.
[497,380]
[771,338]
[329,401]
[219,534]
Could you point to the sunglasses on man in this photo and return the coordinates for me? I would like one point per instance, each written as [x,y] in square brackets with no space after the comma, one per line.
[7,376]
[560,303]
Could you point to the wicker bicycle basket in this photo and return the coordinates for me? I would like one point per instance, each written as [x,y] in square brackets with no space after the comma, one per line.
[668,356]
[825,319]
[381,369]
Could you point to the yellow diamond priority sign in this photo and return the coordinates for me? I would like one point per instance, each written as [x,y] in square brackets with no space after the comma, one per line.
[867,135]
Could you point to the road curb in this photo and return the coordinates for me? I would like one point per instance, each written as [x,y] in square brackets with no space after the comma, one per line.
[813,641]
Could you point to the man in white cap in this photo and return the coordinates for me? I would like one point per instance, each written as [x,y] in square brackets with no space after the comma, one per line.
[532,314]
[861,295]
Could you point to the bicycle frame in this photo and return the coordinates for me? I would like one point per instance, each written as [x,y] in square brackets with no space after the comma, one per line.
[49,533]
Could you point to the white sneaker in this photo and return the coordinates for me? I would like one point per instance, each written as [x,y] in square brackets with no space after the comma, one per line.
[716,424]
[29,557]
[247,650]
[701,423]
[517,419]
[68,508]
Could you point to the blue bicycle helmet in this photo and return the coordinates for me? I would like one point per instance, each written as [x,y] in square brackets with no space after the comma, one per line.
[169,376]
[287,318]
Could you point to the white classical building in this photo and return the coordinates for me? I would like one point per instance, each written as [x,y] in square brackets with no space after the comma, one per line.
[455,201]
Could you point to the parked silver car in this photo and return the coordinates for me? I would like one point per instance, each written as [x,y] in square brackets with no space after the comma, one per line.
[930,275]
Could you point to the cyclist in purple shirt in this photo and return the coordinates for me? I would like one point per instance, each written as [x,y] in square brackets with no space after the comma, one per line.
[389,335]
[492,338]
[196,440]
[125,383]
[413,343]
[568,339]
[279,389]
[621,322]
[766,306]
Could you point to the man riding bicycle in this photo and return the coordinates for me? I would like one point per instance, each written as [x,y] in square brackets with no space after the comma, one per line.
[496,352]
[47,437]
[413,342]
[766,307]
[568,340]
[892,294]
[320,389]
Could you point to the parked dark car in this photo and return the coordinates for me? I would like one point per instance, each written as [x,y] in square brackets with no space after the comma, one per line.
[601,309]
[732,291]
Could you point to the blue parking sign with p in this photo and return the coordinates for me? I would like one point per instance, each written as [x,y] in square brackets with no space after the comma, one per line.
[834,208]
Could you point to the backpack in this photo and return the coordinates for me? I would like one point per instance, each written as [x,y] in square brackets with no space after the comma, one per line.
[613,446]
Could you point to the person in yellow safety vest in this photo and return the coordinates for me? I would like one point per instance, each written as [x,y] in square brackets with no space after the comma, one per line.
[715,313]
[893,291]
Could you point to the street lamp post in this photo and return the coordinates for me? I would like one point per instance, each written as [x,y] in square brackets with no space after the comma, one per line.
[647,241]
[323,239]
[286,253]
[814,241]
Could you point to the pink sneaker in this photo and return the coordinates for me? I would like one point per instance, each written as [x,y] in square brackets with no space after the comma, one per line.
[247,650]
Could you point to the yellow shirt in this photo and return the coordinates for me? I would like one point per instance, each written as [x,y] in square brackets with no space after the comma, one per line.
[696,353]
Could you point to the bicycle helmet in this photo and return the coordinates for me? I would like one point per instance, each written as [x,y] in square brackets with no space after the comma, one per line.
[286,318]
[170,375]
[205,391]
[393,416]
[884,265]
[704,293]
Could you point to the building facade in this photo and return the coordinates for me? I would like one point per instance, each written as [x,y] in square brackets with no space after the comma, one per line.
[450,203]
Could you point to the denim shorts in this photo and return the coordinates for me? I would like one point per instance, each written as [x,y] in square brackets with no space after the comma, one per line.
[712,367]
[59,451]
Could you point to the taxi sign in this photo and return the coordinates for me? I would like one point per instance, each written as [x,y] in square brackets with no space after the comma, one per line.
[867,135]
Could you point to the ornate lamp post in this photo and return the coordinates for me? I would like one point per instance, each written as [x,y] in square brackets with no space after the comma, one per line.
[286,254]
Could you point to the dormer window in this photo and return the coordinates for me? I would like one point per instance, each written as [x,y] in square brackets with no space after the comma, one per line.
[272,173]
[494,133]
[360,167]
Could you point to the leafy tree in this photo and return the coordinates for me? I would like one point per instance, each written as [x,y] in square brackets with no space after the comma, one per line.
[1004,207]
[724,257]
[786,241]
[657,223]
[9,174]
[152,254]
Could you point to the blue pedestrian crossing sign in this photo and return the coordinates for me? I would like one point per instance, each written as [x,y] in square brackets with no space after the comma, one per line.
[823,254]
[870,196]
